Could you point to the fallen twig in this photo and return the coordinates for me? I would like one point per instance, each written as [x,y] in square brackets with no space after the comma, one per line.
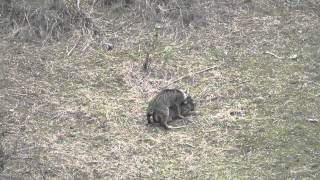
[146,63]
[313,120]
[73,48]
[187,144]
[87,45]
[292,57]
[272,54]
[189,75]
[78,4]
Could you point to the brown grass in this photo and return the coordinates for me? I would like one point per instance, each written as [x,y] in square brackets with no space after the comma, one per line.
[80,114]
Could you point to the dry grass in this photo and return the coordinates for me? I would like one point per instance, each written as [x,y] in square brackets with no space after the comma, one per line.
[44,21]
[81,113]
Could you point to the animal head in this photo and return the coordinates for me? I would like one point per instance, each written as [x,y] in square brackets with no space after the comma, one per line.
[187,106]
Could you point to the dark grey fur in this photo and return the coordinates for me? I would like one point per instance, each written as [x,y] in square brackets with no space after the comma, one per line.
[160,106]
[186,110]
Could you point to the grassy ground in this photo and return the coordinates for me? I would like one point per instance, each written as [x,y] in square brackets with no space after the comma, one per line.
[83,115]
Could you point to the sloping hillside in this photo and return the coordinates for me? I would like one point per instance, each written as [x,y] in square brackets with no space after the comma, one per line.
[72,109]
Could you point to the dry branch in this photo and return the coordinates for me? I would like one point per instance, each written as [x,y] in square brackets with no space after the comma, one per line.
[190,75]
[75,45]
[272,54]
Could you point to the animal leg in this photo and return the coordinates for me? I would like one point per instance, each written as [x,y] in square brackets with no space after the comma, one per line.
[148,118]
[164,121]
[179,111]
